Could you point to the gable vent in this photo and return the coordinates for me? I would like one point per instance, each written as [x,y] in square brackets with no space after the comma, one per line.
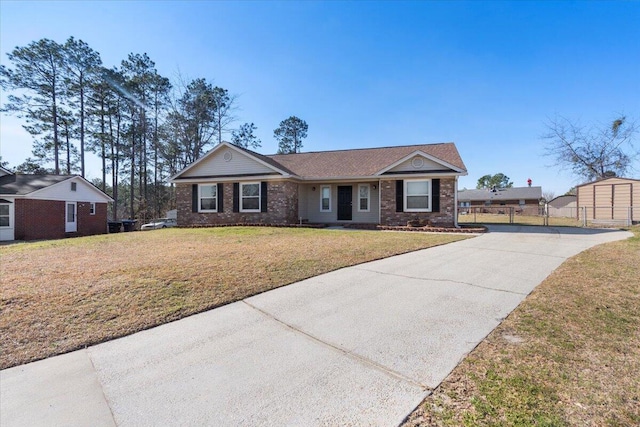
[417,162]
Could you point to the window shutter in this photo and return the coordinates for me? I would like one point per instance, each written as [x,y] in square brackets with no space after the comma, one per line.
[220,197]
[263,196]
[194,198]
[236,197]
[435,195]
[400,195]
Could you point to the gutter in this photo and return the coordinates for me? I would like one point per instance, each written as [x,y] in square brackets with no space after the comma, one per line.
[455,203]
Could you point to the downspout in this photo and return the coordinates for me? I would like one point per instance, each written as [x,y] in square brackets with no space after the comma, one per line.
[455,203]
[379,204]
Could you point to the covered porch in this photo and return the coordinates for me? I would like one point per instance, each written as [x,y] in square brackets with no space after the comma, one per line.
[355,202]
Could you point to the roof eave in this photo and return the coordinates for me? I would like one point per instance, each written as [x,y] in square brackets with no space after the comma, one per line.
[222,178]
[378,177]
[425,155]
[91,186]
[209,153]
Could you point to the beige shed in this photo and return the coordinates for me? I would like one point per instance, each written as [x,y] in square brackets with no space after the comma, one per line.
[610,200]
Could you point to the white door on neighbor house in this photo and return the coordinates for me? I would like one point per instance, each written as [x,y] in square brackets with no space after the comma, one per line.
[72,218]
[6,220]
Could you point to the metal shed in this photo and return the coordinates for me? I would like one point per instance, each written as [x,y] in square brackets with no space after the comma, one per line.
[610,200]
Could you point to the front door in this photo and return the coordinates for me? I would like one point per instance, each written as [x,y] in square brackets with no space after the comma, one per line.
[345,203]
[71,223]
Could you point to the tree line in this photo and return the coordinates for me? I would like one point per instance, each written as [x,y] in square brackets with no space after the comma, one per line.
[143,127]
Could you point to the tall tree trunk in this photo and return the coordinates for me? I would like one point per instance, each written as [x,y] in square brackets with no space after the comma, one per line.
[155,160]
[81,81]
[103,148]
[56,143]
[133,169]
[143,160]
[114,180]
[66,132]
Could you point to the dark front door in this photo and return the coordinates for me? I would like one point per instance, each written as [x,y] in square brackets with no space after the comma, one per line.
[345,203]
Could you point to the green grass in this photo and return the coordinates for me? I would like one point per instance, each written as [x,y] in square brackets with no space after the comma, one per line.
[62,295]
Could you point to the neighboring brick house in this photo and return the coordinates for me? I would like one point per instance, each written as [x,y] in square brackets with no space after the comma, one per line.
[386,186]
[525,200]
[50,207]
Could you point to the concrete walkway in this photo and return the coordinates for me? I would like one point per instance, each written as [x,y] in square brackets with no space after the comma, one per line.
[360,346]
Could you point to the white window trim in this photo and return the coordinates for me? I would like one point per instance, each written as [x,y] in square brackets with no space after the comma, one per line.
[321,188]
[200,198]
[368,187]
[92,208]
[242,184]
[406,182]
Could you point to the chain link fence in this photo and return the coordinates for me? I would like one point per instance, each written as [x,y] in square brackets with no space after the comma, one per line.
[592,216]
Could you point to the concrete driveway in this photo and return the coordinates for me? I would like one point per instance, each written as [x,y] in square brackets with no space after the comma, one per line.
[360,346]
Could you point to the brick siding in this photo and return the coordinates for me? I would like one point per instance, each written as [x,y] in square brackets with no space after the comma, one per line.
[443,218]
[88,224]
[45,219]
[282,206]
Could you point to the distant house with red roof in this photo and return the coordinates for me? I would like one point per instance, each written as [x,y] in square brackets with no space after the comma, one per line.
[386,186]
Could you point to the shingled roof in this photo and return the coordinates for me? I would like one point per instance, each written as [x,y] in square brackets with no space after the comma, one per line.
[361,162]
[513,193]
[25,184]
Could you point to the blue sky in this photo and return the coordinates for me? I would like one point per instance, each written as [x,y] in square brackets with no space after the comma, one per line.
[485,75]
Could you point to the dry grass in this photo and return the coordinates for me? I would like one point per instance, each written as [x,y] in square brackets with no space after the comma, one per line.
[62,295]
[569,355]
[489,218]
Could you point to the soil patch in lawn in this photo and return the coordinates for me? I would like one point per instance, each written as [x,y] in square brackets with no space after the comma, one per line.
[569,355]
[58,296]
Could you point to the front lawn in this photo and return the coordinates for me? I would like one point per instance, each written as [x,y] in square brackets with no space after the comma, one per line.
[62,295]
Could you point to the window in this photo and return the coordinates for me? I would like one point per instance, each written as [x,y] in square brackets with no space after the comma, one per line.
[71,212]
[92,208]
[208,198]
[417,196]
[363,197]
[325,198]
[74,186]
[465,204]
[4,215]
[250,197]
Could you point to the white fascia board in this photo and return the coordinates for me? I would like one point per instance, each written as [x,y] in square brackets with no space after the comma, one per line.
[426,156]
[219,147]
[79,179]
[426,174]
[196,180]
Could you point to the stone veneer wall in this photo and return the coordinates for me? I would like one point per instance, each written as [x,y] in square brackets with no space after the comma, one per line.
[443,218]
[282,207]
